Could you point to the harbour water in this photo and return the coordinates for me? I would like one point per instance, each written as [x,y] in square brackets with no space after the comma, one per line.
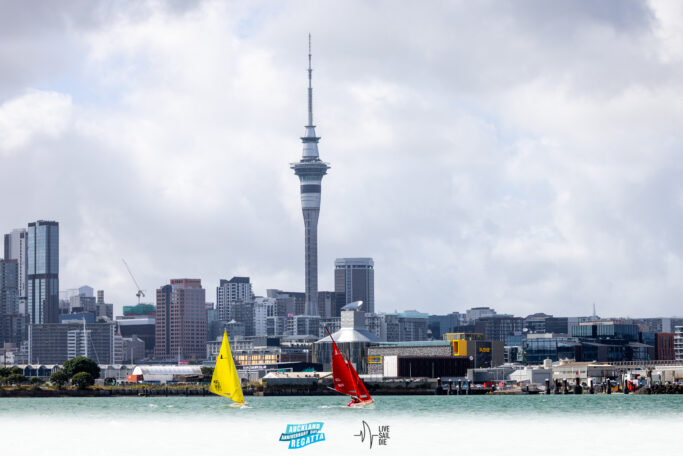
[561,424]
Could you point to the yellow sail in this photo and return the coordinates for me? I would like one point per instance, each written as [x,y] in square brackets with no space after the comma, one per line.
[225,381]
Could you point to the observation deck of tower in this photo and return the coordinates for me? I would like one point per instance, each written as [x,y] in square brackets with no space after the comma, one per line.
[310,170]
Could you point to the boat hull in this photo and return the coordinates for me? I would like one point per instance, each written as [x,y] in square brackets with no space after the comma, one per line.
[360,404]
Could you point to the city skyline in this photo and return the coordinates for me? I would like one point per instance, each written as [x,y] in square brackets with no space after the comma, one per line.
[523,167]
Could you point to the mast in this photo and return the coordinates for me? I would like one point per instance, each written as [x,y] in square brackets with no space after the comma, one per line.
[310,85]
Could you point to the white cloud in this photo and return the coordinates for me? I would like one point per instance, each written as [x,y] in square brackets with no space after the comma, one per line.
[483,154]
[34,114]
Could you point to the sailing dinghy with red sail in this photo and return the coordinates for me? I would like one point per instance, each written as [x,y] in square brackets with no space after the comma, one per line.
[346,379]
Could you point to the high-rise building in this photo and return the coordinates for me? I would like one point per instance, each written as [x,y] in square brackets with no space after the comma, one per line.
[288,302]
[180,330]
[500,327]
[354,280]
[15,249]
[310,170]
[327,302]
[235,289]
[9,300]
[229,292]
[42,275]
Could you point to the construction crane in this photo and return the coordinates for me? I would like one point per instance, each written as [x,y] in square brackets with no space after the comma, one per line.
[140,293]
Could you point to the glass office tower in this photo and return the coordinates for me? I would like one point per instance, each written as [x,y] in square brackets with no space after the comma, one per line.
[42,304]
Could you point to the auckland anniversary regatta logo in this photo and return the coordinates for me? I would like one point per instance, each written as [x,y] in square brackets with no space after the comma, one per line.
[301,435]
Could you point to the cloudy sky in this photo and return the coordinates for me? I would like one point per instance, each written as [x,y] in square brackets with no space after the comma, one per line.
[522,155]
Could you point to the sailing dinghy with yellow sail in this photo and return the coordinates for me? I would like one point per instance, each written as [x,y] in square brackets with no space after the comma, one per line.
[225,381]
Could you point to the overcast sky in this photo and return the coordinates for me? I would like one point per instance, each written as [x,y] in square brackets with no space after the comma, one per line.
[523,155]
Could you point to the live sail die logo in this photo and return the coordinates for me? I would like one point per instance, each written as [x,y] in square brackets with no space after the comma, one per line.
[301,435]
[365,434]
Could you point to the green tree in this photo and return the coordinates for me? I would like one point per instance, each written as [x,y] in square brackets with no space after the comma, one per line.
[207,373]
[81,364]
[35,380]
[59,378]
[7,371]
[16,379]
[82,380]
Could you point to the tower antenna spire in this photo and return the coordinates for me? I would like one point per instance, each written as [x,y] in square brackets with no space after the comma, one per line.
[310,87]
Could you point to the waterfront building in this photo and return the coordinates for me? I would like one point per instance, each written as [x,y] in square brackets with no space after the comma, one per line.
[42,263]
[353,339]
[432,359]
[532,375]
[15,249]
[584,371]
[483,352]
[310,170]
[513,354]
[450,357]
[606,329]
[54,343]
[662,342]
[539,347]
[354,280]
[678,343]
[165,373]
[180,330]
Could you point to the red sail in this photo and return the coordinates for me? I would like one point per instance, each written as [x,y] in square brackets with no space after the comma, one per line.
[343,380]
[363,394]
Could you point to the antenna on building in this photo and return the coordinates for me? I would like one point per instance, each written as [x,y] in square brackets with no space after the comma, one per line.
[310,86]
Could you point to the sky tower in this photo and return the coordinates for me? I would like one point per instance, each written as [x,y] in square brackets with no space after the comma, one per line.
[310,170]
